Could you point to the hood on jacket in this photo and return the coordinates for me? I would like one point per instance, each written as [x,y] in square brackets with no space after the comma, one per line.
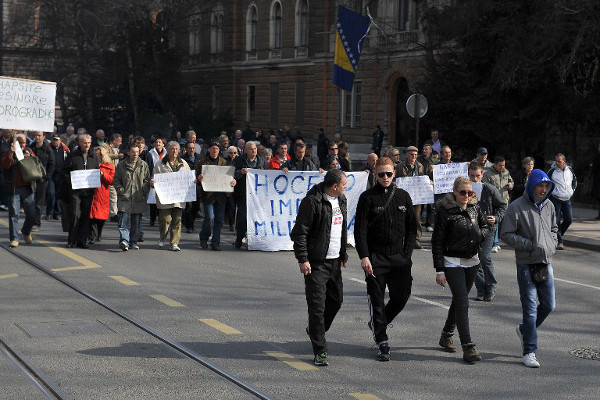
[536,177]
[448,201]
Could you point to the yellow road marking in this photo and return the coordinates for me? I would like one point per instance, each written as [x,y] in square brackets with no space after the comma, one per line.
[86,264]
[7,276]
[124,280]
[226,329]
[166,300]
[364,396]
[76,268]
[288,359]
[4,223]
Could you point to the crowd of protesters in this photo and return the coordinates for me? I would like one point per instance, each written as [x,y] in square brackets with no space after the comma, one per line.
[466,229]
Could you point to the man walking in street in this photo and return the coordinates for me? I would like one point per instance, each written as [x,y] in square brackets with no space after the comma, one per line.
[565,183]
[320,236]
[493,207]
[114,152]
[132,184]
[411,167]
[213,202]
[44,153]
[499,177]
[81,158]
[530,227]
[385,231]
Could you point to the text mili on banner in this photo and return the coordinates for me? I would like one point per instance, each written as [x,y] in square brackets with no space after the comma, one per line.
[273,199]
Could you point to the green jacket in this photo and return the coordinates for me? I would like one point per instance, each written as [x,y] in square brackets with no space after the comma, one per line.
[501,180]
[132,183]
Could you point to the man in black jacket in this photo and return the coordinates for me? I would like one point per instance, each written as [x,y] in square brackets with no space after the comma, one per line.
[45,155]
[298,162]
[81,199]
[320,236]
[492,205]
[385,231]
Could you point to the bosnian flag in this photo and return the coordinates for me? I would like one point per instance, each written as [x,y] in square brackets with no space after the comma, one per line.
[350,35]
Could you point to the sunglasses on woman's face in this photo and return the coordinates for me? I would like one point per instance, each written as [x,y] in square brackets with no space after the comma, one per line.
[466,193]
[382,174]
[233,152]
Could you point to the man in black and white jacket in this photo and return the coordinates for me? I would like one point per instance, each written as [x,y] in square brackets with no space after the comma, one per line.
[565,183]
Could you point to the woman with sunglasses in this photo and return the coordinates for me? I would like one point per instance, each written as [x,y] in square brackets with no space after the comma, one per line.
[460,227]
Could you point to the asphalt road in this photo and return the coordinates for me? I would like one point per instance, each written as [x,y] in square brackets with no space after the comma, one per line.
[246,312]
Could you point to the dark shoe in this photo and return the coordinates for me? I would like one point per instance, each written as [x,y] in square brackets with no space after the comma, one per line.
[70,245]
[447,343]
[55,217]
[123,246]
[216,247]
[189,230]
[230,228]
[83,246]
[238,244]
[489,297]
[560,246]
[321,359]
[384,352]
[141,239]
[151,223]
[470,355]
[204,244]
[480,298]
[114,218]
[46,217]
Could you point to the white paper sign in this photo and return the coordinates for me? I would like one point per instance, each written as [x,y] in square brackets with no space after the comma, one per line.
[27,104]
[418,187]
[18,152]
[175,187]
[273,198]
[217,179]
[444,176]
[85,179]
[477,188]
[151,196]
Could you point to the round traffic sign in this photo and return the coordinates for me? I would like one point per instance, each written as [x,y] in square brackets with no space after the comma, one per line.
[417,101]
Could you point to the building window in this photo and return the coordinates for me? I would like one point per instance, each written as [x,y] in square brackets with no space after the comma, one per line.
[302,23]
[351,106]
[216,101]
[300,103]
[216,31]
[43,16]
[251,29]
[195,35]
[195,96]
[251,104]
[276,26]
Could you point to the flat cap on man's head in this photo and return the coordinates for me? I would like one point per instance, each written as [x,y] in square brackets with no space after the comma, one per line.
[482,150]
[412,148]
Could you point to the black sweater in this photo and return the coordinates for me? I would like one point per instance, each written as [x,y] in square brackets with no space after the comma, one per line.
[391,233]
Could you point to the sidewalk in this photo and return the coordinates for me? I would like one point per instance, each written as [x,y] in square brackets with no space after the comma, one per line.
[584,232]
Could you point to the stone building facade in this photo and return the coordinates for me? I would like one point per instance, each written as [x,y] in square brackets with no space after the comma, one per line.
[270,63]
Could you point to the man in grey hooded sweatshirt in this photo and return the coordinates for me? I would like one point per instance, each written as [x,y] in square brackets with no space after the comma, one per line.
[529,226]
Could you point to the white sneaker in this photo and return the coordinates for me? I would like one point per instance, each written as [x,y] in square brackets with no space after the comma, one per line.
[429,229]
[499,248]
[495,249]
[175,248]
[530,361]
[161,244]
[520,335]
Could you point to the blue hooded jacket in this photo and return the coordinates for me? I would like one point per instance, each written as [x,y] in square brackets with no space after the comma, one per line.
[536,177]
[530,226]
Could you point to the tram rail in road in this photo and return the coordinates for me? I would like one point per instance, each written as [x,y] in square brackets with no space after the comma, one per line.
[171,343]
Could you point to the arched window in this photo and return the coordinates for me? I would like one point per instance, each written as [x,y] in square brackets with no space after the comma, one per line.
[195,35]
[251,31]
[276,25]
[43,16]
[302,23]
[216,31]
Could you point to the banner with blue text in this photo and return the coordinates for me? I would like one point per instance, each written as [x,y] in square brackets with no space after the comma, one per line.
[273,199]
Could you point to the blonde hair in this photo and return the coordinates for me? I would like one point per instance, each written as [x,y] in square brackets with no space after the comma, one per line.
[104,157]
[461,180]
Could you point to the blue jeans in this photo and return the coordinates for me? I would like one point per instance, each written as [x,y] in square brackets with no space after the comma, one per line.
[128,227]
[485,281]
[23,197]
[213,218]
[496,233]
[533,314]
[563,210]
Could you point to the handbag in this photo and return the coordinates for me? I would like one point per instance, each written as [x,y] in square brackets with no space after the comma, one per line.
[539,272]
[31,169]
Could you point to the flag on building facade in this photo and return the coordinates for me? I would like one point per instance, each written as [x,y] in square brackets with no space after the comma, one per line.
[351,31]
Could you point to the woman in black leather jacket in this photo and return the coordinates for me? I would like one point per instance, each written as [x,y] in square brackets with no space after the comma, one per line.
[460,227]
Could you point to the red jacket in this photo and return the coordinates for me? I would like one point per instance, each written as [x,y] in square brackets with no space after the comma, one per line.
[101,202]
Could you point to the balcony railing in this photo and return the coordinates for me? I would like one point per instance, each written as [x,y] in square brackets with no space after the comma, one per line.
[275,54]
[251,55]
[395,41]
[302,52]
